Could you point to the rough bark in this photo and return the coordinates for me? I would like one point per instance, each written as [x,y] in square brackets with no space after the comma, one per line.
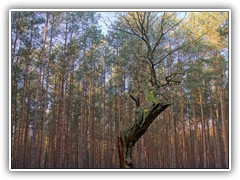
[120,151]
[131,134]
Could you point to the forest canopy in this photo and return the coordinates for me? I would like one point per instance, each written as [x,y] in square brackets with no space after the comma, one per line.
[119,89]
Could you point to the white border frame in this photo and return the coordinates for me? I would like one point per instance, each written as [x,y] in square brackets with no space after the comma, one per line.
[126,10]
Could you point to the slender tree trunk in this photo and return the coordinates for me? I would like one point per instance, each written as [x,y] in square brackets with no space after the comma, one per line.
[224,127]
[216,162]
[104,117]
[51,138]
[14,96]
[43,150]
[61,124]
[196,150]
[184,144]
[19,129]
[219,155]
[26,138]
[173,135]
[203,130]
[34,146]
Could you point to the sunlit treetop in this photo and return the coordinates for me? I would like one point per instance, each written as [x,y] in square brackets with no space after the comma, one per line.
[211,27]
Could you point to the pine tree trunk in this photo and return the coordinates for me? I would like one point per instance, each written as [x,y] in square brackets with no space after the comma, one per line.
[224,127]
[218,136]
[34,145]
[196,150]
[173,137]
[184,144]
[203,130]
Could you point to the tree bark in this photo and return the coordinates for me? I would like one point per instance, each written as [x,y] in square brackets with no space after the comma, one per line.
[203,130]
[131,134]
[184,143]
[224,127]
[35,121]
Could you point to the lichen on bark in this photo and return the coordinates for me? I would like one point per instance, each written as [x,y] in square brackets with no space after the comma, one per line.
[131,133]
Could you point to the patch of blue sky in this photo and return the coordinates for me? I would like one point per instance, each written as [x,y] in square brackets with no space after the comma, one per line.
[106,18]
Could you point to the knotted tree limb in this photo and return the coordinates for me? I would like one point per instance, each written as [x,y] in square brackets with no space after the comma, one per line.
[131,134]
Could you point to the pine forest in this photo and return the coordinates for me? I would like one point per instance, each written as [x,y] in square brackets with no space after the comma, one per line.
[112,90]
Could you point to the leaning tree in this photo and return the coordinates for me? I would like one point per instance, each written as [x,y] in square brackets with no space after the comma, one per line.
[151,29]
